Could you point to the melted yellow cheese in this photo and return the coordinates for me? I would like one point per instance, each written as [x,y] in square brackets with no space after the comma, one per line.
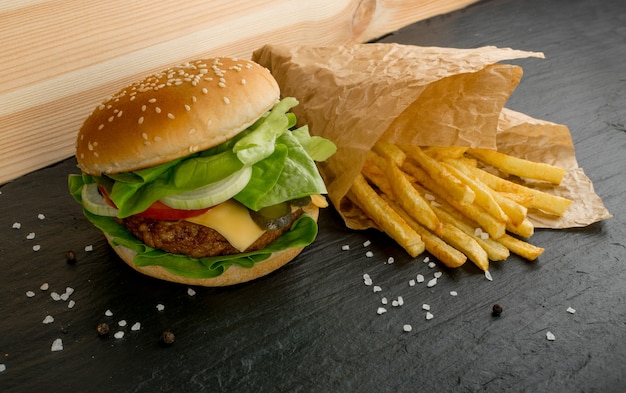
[231,220]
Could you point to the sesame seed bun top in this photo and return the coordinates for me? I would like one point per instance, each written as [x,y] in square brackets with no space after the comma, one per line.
[171,114]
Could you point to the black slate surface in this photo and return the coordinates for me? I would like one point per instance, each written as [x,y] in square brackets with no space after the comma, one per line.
[313,326]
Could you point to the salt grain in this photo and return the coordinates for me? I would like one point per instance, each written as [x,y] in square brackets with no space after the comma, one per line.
[432,283]
[369,254]
[407,328]
[44,286]
[88,248]
[400,300]
[377,288]
[69,291]
[191,292]
[57,345]
[30,293]
[108,313]
[36,247]
[431,265]
[390,260]
[488,275]
[550,336]
[30,236]
[571,310]
[160,307]
[119,334]
[48,319]
[367,280]
[55,296]
[122,323]
[426,259]
[345,247]
[411,283]
[41,216]
[453,293]
[367,243]
[425,307]
[3,367]
[429,316]
[71,304]
[381,310]
[16,225]
[437,274]
[420,278]
[136,326]
[384,300]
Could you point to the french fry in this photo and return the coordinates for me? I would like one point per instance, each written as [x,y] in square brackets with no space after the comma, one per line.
[486,221]
[518,166]
[441,250]
[484,197]
[548,203]
[524,200]
[521,248]
[390,151]
[440,174]
[464,243]
[376,175]
[524,229]
[441,153]
[364,196]
[410,199]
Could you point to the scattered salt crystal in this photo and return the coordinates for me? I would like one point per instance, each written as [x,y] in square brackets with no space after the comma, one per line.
[437,274]
[16,225]
[488,275]
[381,310]
[431,264]
[122,323]
[36,247]
[30,236]
[89,248]
[429,197]
[71,304]
[64,296]
[400,300]
[550,336]
[571,310]
[44,286]
[41,216]
[55,296]
[160,307]
[119,334]
[377,288]
[3,367]
[367,243]
[425,306]
[394,303]
[367,280]
[57,345]
[478,232]
[432,283]
[411,283]
[384,300]
[369,254]
[191,292]
[390,260]
[420,278]
[345,247]
[48,319]
[30,293]
[426,259]
[435,204]
[453,293]
[407,328]
[108,313]
[69,291]
[484,236]
[136,326]
[429,316]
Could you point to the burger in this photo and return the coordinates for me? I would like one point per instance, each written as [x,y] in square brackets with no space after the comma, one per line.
[199,175]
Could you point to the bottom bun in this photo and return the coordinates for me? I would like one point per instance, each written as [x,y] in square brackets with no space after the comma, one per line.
[233,275]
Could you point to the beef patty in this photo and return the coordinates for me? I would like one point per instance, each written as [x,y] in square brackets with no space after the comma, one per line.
[194,240]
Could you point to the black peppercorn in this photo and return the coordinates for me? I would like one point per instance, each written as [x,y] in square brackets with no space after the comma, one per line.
[167,338]
[70,256]
[496,310]
[103,329]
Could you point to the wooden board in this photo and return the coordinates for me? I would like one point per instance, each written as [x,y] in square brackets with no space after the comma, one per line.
[60,58]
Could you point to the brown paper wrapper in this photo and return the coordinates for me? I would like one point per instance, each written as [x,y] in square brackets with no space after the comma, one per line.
[356,95]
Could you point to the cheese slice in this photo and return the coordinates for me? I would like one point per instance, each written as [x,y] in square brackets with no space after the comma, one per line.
[232,220]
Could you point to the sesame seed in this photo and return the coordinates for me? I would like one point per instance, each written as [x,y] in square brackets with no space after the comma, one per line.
[119,114]
[140,120]
[96,154]
[226,100]
[157,138]
[187,108]
[204,90]
[90,146]
[144,136]
[171,116]
[111,118]
[157,109]
[243,81]
[209,122]
[221,84]
[143,108]
[100,127]
[191,131]
[193,99]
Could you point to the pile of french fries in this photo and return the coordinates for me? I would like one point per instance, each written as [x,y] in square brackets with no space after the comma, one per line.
[447,201]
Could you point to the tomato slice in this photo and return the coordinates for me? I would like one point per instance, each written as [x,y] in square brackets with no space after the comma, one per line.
[160,211]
